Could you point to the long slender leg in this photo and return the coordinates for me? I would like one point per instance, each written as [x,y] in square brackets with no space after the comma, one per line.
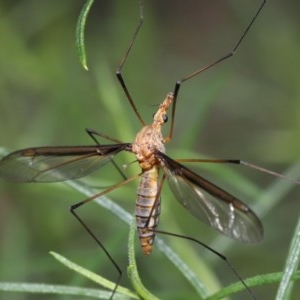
[119,70]
[92,133]
[198,71]
[240,162]
[79,204]
[223,257]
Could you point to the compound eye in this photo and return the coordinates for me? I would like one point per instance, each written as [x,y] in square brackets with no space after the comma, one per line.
[165,118]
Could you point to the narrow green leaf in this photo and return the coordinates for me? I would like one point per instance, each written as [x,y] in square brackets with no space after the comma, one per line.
[41,288]
[92,276]
[291,266]
[80,28]
[132,268]
[251,282]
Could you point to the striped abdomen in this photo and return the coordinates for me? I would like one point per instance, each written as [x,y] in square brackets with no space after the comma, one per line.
[147,208]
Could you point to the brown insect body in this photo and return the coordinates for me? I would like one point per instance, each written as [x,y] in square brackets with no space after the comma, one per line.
[148,140]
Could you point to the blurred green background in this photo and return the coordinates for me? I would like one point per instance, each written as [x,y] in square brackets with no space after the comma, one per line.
[247,108]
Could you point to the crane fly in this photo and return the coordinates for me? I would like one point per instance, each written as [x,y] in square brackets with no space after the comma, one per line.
[203,199]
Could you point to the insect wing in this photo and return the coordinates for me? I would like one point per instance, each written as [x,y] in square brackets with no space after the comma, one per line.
[52,164]
[211,204]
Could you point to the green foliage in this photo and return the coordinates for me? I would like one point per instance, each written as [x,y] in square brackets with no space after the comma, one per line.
[80,28]
[246,108]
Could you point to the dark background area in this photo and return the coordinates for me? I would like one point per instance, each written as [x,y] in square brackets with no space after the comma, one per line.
[245,108]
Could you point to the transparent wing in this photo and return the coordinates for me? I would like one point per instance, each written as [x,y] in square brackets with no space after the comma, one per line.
[211,204]
[52,164]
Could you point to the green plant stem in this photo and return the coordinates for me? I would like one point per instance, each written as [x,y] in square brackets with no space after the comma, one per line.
[132,267]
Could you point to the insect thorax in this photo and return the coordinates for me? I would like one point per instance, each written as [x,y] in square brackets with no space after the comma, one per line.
[147,141]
